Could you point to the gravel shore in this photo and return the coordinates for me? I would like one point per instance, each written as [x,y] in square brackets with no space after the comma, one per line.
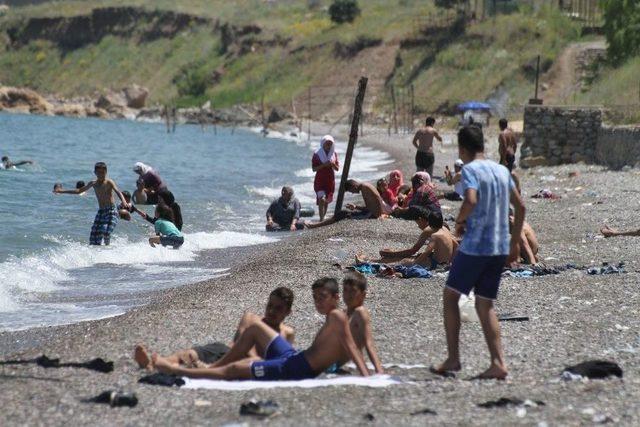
[573,317]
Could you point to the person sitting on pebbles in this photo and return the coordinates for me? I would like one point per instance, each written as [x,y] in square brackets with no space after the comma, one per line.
[528,242]
[284,213]
[278,308]
[440,250]
[373,205]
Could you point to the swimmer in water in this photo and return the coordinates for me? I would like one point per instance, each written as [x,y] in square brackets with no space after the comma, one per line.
[8,164]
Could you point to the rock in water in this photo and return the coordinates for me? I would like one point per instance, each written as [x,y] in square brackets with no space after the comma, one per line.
[24,100]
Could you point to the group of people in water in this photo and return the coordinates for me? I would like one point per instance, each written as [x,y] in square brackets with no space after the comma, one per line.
[150,190]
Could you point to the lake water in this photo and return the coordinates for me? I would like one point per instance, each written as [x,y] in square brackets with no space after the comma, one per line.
[223,182]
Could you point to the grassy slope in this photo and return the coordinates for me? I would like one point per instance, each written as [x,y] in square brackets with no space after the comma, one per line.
[491,54]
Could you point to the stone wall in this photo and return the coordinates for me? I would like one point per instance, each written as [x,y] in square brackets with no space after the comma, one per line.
[618,147]
[556,135]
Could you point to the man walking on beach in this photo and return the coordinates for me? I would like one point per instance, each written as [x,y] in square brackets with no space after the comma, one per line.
[507,145]
[423,141]
[486,247]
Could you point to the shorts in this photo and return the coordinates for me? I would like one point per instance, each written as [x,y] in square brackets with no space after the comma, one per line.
[358,214]
[452,196]
[424,162]
[510,160]
[175,241]
[282,362]
[480,273]
[103,225]
[328,195]
[152,198]
[212,352]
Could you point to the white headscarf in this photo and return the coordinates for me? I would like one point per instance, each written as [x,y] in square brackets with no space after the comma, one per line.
[141,168]
[322,155]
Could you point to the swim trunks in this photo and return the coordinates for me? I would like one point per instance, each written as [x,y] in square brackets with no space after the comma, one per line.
[103,225]
[477,272]
[211,352]
[282,362]
[175,241]
[511,161]
[424,162]
[356,214]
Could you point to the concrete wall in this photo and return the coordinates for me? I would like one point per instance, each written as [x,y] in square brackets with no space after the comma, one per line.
[618,147]
[556,135]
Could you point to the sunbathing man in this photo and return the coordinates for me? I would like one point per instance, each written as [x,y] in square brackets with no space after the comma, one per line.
[332,344]
[277,309]
[373,205]
[612,232]
[439,251]
[354,292]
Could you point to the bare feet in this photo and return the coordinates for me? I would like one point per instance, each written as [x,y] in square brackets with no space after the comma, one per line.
[607,231]
[495,372]
[141,355]
[446,369]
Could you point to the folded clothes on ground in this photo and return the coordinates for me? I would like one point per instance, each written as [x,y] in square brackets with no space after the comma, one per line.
[524,271]
[593,369]
[545,194]
[607,269]
[166,380]
[510,401]
[374,381]
[407,272]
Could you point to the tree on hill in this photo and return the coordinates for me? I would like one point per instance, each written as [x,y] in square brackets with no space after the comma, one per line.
[342,11]
[622,28]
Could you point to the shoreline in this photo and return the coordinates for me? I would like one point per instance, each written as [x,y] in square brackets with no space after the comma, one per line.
[573,318]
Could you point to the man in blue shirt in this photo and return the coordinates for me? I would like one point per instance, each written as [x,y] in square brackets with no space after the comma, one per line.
[483,223]
[284,213]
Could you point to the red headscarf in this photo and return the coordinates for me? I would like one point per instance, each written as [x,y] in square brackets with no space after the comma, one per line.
[396,180]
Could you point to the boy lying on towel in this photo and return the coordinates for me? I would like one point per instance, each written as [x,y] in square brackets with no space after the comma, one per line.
[332,344]
[278,308]
[440,249]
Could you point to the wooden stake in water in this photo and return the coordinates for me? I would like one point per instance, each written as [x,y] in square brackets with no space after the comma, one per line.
[353,139]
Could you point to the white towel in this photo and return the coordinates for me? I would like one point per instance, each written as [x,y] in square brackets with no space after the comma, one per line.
[374,381]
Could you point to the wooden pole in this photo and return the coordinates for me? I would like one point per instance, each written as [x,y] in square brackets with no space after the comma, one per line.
[537,75]
[309,110]
[413,104]
[353,139]
[395,108]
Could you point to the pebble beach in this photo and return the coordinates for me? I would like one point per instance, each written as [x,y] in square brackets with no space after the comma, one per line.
[573,317]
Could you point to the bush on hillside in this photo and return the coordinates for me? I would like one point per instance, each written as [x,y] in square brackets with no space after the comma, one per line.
[622,29]
[342,11]
[192,80]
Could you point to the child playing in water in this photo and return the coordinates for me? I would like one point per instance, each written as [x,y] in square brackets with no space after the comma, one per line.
[107,216]
[167,233]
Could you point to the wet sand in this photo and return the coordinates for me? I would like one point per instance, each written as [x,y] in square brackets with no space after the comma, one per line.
[573,317]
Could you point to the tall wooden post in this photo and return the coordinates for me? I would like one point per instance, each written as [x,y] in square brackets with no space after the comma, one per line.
[309,110]
[537,75]
[413,105]
[353,139]
[395,109]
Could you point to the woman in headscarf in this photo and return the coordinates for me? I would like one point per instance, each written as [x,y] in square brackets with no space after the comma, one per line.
[325,163]
[396,180]
[151,181]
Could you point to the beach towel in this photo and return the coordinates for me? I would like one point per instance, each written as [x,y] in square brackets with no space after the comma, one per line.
[374,381]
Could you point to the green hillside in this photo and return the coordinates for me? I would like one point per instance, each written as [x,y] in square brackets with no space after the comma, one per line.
[394,42]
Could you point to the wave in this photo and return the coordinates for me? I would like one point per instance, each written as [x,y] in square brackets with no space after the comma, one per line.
[49,270]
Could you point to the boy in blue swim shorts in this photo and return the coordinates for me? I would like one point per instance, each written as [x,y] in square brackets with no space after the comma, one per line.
[483,223]
[280,361]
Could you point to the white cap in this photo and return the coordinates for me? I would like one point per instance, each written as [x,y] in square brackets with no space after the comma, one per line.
[327,138]
[459,163]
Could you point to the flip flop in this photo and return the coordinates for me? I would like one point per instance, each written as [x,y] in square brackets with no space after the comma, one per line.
[443,374]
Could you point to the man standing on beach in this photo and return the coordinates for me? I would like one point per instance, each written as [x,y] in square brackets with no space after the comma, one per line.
[486,247]
[423,141]
[325,164]
[507,145]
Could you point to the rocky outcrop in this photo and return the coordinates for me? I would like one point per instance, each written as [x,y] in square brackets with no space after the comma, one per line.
[70,33]
[23,100]
[136,96]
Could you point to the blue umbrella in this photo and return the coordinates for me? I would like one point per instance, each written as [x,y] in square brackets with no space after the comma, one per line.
[474,105]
